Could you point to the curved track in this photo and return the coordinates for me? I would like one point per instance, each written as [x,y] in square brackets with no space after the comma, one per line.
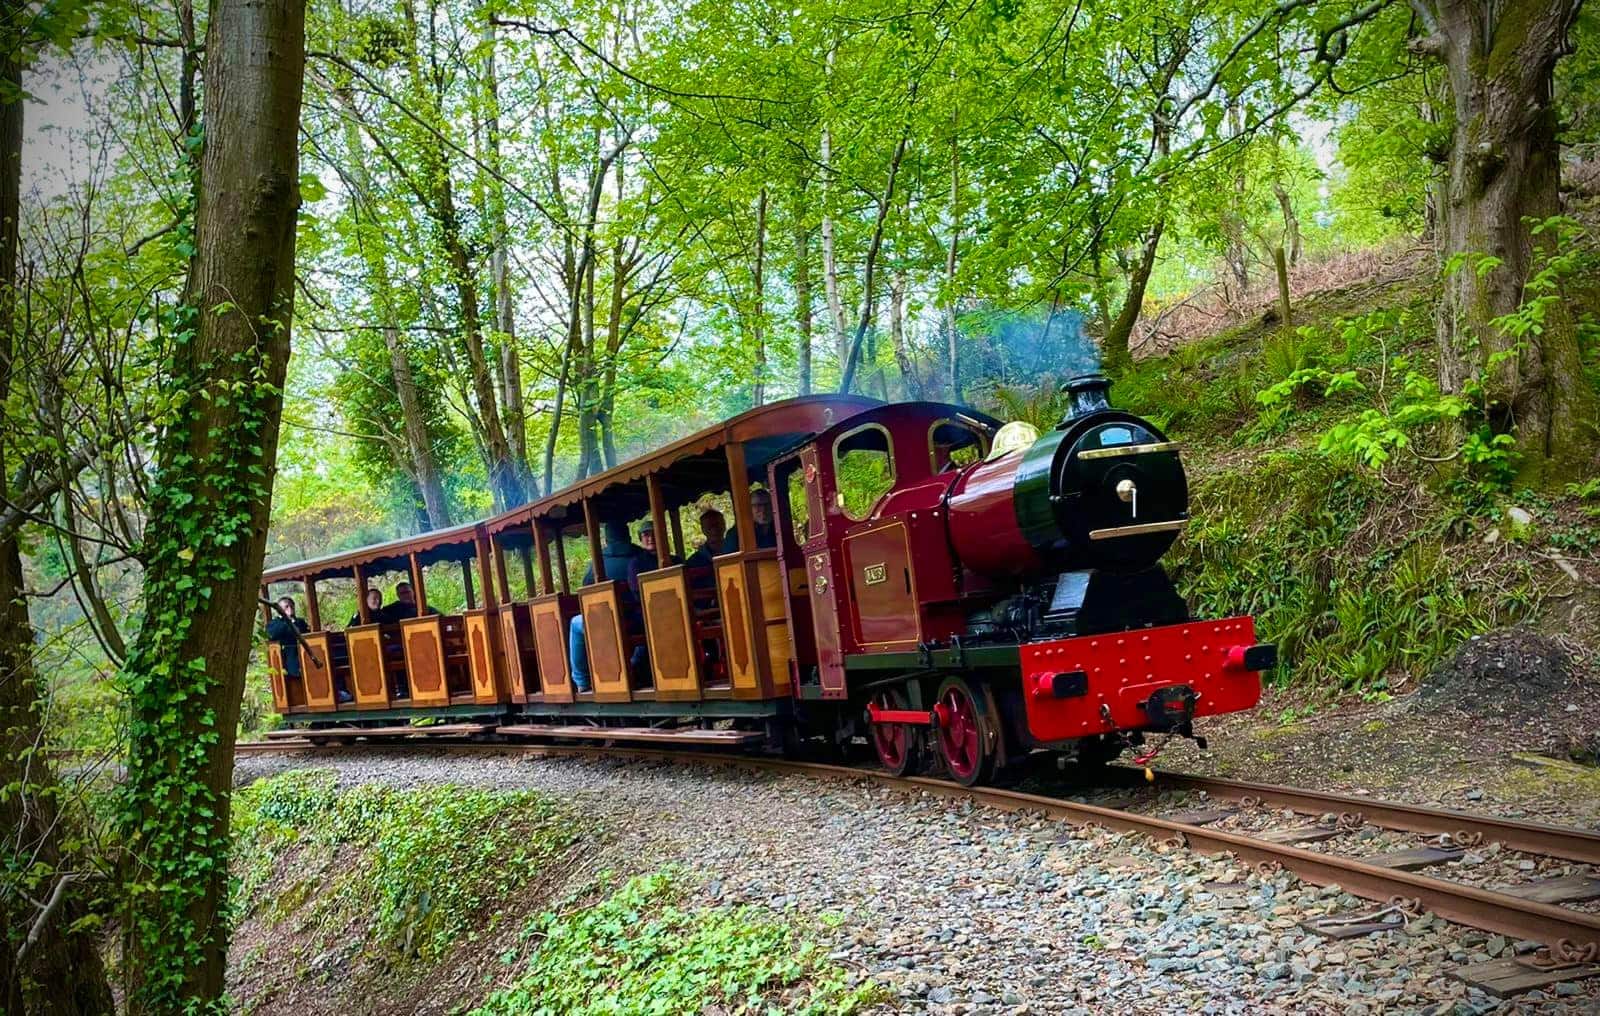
[1571,934]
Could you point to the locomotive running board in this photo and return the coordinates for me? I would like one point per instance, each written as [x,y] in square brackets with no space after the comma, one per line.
[584,732]
[351,733]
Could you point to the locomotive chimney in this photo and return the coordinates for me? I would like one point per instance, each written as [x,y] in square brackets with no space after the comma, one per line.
[1086,394]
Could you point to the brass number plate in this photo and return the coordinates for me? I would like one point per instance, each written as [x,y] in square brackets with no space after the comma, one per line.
[874,574]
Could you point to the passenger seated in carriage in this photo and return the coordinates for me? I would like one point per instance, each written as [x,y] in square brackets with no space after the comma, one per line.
[374,608]
[285,630]
[761,512]
[403,606]
[717,541]
[647,562]
[623,560]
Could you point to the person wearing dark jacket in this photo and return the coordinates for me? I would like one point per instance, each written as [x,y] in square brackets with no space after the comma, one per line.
[404,605]
[761,512]
[647,561]
[285,630]
[374,609]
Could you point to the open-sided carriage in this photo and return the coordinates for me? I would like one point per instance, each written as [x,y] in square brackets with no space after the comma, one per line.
[701,655]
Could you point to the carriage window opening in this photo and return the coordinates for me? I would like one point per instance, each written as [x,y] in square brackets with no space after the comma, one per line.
[953,445]
[575,545]
[800,516]
[863,468]
[516,575]
[336,601]
[443,586]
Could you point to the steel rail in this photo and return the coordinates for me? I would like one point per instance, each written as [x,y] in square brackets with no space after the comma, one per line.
[1453,901]
[1534,837]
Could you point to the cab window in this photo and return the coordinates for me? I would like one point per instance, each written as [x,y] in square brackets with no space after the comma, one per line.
[804,523]
[954,445]
[863,469]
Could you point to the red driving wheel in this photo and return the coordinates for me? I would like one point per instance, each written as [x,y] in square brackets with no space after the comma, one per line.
[898,744]
[966,732]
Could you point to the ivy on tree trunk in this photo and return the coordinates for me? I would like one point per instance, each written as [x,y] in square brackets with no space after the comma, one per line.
[222,396]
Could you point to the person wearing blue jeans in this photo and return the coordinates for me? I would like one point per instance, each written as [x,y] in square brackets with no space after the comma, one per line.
[578,654]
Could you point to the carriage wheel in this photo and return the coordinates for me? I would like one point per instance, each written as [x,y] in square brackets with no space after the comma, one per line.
[899,746]
[966,732]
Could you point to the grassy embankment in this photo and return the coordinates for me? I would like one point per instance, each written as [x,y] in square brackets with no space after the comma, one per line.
[445,897]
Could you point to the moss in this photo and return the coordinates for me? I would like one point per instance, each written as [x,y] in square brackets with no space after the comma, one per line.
[417,867]
[1550,777]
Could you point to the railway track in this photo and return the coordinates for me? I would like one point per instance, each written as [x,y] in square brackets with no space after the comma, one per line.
[1571,936]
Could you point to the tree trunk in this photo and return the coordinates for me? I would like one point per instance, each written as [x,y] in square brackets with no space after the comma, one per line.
[1503,174]
[505,479]
[614,326]
[588,450]
[1285,309]
[59,971]
[1291,222]
[513,408]
[1237,253]
[759,323]
[1118,344]
[868,274]
[210,502]
[802,294]
[897,336]
[830,264]
[418,460]
[504,476]
[952,360]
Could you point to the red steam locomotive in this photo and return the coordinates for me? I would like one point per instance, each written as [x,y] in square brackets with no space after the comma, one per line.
[930,581]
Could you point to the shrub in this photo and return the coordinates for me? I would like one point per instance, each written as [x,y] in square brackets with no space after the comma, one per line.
[640,950]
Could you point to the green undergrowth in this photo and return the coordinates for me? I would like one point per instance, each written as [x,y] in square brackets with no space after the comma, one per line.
[415,869]
[1316,501]
[1362,587]
[642,948]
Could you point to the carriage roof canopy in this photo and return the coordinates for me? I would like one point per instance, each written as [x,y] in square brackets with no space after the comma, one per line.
[687,468]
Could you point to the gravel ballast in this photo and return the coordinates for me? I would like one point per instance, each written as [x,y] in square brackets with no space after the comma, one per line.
[964,909]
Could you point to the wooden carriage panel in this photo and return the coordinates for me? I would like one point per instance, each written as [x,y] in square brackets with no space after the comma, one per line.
[551,616]
[495,636]
[423,639]
[317,668]
[739,628]
[280,694]
[517,668]
[674,664]
[366,666]
[608,645]
[481,662]
[775,619]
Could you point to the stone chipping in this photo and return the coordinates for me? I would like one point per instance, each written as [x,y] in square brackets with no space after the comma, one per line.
[962,909]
